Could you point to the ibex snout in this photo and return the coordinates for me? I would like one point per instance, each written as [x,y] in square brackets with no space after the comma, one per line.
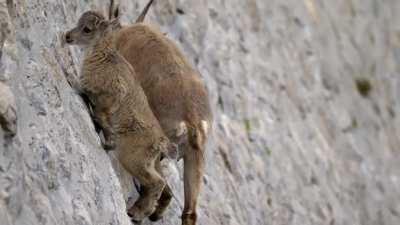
[72,37]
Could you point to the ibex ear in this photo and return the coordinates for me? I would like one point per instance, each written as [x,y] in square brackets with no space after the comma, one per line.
[98,22]
[114,23]
[109,25]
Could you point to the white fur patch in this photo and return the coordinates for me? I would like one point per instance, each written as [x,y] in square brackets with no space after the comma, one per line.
[205,126]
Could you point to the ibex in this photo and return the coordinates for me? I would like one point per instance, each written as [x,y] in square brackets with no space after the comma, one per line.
[178,98]
[121,108]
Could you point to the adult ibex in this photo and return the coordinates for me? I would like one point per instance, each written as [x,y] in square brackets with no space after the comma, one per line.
[178,98]
[121,108]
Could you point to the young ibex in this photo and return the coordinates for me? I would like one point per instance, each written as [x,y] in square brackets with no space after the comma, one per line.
[121,108]
[178,98]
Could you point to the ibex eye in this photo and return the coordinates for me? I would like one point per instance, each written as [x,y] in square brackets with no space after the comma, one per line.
[87,30]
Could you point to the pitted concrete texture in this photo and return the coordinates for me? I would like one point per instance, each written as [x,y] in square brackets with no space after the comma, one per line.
[305,94]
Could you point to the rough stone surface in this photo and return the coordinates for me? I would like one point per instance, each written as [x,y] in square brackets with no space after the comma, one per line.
[296,140]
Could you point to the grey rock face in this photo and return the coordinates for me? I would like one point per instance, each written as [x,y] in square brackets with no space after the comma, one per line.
[297,138]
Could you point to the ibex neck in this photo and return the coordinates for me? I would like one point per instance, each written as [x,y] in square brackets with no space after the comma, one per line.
[103,45]
[100,54]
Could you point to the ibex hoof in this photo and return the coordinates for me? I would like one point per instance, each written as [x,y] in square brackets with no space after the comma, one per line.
[189,219]
[137,215]
[109,145]
[133,220]
[155,217]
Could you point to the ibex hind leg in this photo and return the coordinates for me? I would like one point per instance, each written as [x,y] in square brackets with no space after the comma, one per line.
[163,203]
[193,174]
[152,185]
[141,166]
[164,200]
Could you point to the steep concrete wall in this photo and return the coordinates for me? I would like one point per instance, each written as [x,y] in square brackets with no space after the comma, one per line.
[306,98]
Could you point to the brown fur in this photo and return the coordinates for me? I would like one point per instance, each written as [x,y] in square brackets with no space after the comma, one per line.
[121,108]
[176,95]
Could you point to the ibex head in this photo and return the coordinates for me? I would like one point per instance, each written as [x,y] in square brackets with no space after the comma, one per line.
[91,27]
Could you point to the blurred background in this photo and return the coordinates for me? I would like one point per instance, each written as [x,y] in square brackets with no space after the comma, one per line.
[305,96]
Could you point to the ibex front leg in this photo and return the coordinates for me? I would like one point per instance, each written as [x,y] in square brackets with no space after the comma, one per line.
[165,198]
[103,117]
[139,161]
